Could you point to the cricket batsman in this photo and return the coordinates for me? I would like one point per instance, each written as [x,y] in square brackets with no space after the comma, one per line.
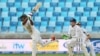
[28,24]
[87,40]
[76,34]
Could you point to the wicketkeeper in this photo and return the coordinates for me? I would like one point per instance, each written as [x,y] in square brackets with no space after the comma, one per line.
[76,34]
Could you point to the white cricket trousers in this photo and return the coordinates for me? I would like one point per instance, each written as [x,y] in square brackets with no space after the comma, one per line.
[38,40]
[73,43]
[90,45]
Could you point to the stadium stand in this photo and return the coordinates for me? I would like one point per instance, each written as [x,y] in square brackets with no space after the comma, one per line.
[53,16]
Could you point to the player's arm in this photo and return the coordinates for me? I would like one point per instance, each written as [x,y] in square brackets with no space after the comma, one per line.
[87,34]
[28,27]
[69,33]
[88,37]
[66,35]
[24,21]
[31,22]
[77,32]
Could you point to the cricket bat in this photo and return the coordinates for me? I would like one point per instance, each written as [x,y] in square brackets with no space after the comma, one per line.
[38,5]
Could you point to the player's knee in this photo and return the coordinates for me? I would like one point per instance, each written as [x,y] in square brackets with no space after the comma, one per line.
[69,46]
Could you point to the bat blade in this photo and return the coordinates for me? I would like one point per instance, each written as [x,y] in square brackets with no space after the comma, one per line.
[38,5]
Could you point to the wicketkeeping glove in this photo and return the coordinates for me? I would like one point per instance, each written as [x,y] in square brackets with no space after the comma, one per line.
[65,37]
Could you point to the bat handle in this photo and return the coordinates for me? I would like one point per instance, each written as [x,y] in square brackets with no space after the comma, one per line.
[33,11]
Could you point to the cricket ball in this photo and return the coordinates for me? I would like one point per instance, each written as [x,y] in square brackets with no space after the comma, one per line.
[53,38]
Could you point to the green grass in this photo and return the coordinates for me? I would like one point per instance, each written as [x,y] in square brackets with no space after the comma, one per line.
[37,55]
